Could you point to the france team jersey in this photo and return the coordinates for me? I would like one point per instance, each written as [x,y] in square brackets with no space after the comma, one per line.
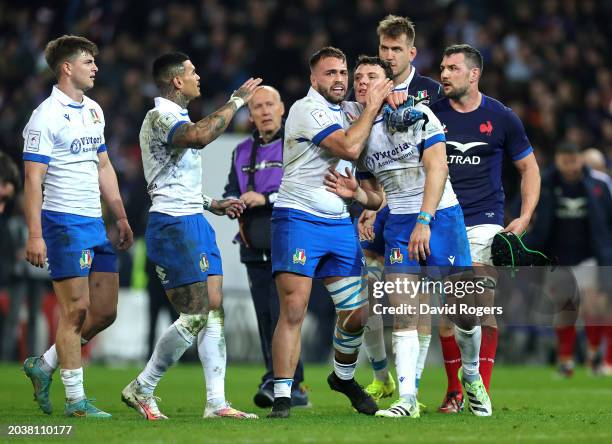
[67,136]
[173,174]
[395,161]
[475,147]
[305,163]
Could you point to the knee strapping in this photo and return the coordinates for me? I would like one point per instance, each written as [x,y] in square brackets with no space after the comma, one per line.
[189,325]
[349,293]
[375,269]
[347,343]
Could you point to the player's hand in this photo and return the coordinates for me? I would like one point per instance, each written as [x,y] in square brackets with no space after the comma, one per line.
[253,199]
[377,93]
[518,226]
[246,91]
[396,98]
[231,208]
[365,225]
[418,247]
[126,237]
[36,251]
[343,186]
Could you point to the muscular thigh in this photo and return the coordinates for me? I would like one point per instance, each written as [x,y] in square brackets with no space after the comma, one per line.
[189,299]
[103,292]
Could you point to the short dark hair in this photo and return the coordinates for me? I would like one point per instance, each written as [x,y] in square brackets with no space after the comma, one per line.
[9,173]
[473,57]
[370,60]
[327,51]
[65,48]
[168,66]
[394,26]
[567,147]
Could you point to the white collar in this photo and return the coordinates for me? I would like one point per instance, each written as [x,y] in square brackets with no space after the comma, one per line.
[406,83]
[65,100]
[161,102]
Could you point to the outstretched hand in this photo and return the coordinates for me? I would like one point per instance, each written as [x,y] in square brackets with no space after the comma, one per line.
[343,186]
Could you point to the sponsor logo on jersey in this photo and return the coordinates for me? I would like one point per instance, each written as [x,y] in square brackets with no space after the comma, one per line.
[486,128]
[396,256]
[204,263]
[451,259]
[463,147]
[95,118]
[67,117]
[85,261]
[85,144]
[299,257]
[400,152]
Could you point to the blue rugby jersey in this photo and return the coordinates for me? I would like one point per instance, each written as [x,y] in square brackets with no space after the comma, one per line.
[475,146]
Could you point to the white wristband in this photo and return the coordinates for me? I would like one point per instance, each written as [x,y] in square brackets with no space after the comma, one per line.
[238,101]
[207,201]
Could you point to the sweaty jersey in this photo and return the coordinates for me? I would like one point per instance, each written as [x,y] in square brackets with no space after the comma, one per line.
[395,160]
[173,174]
[475,147]
[305,163]
[67,136]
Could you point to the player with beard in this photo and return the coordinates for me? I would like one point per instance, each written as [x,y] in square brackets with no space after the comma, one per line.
[479,131]
[312,233]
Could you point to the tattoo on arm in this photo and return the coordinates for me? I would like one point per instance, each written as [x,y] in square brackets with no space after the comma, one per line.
[204,131]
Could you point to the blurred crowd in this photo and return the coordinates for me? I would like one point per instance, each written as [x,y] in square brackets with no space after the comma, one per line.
[548,60]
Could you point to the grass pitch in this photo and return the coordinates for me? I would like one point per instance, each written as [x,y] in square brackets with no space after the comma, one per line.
[530,405]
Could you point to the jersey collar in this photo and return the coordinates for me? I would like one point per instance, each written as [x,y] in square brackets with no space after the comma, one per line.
[161,102]
[406,83]
[65,100]
[314,94]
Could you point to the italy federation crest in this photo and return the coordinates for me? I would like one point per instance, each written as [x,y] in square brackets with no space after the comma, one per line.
[86,259]
[299,257]
[396,256]
[203,263]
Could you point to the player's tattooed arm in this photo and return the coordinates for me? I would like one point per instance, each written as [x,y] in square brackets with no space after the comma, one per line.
[201,133]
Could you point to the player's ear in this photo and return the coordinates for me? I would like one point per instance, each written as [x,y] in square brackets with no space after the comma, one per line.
[313,81]
[177,82]
[412,53]
[66,67]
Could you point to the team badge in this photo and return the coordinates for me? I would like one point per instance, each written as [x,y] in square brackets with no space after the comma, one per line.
[396,256]
[95,118]
[203,263]
[422,96]
[86,259]
[299,257]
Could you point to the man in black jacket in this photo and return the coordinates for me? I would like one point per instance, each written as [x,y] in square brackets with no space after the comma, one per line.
[573,224]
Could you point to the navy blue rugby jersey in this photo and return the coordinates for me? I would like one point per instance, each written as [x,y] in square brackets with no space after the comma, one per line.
[475,146]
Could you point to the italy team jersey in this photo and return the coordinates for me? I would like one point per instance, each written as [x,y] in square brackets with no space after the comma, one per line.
[305,163]
[475,147]
[67,136]
[173,174]
[395,161]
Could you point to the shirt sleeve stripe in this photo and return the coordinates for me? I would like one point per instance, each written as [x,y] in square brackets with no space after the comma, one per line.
[433,140]
[173,129]
[102,148]
[36,158]
[363,175]
[324,133]
[523,154]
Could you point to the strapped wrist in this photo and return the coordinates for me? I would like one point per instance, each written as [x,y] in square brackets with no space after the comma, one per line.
[237,101]
[207,201]
[424,218]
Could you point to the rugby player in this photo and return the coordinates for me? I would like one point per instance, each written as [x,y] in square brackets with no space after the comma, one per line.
[396,46]
[65,153]
[180,242]
[425,224]
[479,132]
[312,233]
